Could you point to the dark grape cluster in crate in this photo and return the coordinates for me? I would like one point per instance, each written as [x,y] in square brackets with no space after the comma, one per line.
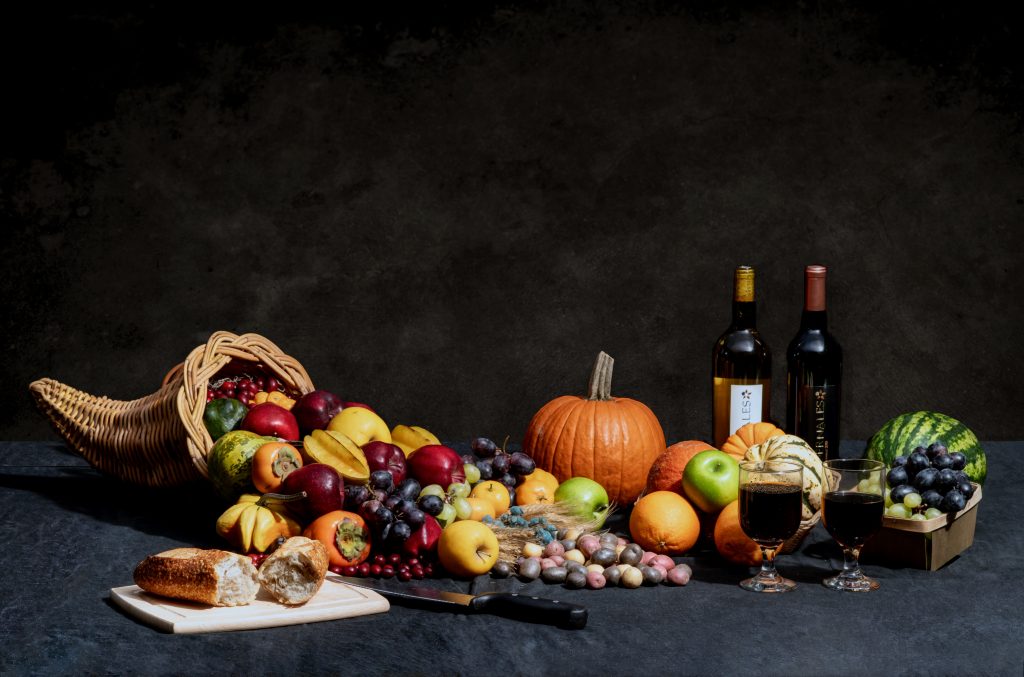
[927,483]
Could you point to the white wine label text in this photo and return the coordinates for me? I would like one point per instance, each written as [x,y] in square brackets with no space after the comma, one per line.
[744,405]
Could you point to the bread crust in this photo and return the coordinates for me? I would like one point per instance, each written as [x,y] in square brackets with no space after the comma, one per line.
[306,559]
[191,574]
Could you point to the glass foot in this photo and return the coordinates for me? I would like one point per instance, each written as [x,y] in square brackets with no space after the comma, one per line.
[761,583]
[846,583]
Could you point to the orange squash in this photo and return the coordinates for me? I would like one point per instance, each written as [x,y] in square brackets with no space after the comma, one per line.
[748,435]
[611,440]
[666,473]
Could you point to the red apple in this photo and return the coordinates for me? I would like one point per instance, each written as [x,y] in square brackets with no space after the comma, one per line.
[358,404]
[272,420]
[436,464]
[385,456]
[315,410]
[423,542]
[324,487]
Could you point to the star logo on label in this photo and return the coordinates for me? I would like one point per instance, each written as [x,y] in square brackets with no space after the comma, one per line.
[819,395]
[745,394]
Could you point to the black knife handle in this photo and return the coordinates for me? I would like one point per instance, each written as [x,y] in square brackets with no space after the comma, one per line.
[531,609]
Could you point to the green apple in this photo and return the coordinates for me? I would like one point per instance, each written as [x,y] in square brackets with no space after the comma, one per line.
[711,480]
[589,497]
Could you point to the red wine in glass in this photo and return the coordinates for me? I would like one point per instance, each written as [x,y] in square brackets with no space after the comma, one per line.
[851,517]
[770,511]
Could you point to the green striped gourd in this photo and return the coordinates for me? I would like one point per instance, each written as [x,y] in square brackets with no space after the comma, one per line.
[793,448]
[902,434]
[230,462]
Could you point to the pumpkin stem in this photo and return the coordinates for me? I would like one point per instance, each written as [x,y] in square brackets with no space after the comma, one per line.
[601,378]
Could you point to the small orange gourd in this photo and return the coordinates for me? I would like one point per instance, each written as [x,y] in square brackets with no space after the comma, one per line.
[748,435]
[611,440]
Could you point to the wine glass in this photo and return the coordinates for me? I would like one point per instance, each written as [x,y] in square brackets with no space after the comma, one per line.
[852,512]
[771,500]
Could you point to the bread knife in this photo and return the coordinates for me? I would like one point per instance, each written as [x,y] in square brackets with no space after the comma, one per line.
[506,604]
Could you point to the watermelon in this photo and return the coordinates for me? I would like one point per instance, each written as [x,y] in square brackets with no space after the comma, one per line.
[903,433]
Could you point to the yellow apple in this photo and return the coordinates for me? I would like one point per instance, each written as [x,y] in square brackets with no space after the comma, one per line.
[495,492]
[467,548]
[360,425]
[409,438]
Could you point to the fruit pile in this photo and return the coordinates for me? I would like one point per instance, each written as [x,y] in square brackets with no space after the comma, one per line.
[594,560]
[246,388]
[926,483]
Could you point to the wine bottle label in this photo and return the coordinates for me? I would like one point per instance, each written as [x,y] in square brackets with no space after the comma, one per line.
[817,418]
[744,405]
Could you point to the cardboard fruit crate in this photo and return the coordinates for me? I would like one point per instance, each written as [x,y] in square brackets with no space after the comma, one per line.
[924,544]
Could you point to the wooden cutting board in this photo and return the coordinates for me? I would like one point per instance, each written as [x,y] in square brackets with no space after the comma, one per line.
[335,600]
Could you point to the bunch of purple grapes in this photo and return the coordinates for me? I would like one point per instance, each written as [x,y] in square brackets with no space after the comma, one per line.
[929,479]
[390,510]
[495,463]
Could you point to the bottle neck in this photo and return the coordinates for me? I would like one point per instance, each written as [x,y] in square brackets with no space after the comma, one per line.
[814,319]
[814,316]
[744,309]
[744,315]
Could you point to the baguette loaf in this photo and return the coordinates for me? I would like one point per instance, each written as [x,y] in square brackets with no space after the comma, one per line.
[214,577]
[295,571]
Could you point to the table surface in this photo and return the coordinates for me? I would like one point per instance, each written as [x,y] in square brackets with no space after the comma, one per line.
[70,534]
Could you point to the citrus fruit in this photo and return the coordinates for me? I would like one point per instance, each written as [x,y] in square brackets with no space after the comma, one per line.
[730,540]
[664,522]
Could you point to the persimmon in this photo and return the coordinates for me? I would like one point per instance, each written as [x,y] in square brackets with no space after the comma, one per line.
[271,463]
[544,477]
[345,536]
[534,491]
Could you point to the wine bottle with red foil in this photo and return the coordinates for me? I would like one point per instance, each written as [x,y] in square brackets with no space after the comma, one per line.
[741,366]
[814,372]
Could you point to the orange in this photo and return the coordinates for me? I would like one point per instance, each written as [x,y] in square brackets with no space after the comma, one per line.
[534,491]
[495,492]
[481,507]
[544,477]
[730,540]
[664,522]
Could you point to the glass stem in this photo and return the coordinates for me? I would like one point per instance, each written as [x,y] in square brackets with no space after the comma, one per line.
[768,563]
[851,567]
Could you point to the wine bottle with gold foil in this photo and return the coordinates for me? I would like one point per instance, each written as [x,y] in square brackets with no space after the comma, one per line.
[741,366]
[814,372]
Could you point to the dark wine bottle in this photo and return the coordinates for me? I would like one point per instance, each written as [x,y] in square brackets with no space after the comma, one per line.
[741,366]
[814,372]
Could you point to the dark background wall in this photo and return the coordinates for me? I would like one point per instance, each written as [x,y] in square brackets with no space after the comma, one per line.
[447,212]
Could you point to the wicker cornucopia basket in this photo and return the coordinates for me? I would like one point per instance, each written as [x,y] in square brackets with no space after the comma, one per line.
[159,440]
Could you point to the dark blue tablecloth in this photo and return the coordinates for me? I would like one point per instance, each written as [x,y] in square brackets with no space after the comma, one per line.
[70,534]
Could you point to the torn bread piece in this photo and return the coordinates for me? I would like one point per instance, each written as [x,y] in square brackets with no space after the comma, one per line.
[214,577]
[295,571]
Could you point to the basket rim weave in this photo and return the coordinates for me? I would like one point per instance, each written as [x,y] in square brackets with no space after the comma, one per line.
[205,361]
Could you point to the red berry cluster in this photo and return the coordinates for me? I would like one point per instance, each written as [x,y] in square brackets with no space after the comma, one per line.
[389,566]
[241,388]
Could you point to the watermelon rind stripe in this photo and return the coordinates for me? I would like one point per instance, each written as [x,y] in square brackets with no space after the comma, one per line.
[901,434]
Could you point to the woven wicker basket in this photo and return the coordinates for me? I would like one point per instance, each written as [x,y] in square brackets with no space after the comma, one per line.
[159,440]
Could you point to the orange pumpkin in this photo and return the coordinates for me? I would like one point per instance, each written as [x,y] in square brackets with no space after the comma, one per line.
[611,440]
[666,473]
[748,435]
